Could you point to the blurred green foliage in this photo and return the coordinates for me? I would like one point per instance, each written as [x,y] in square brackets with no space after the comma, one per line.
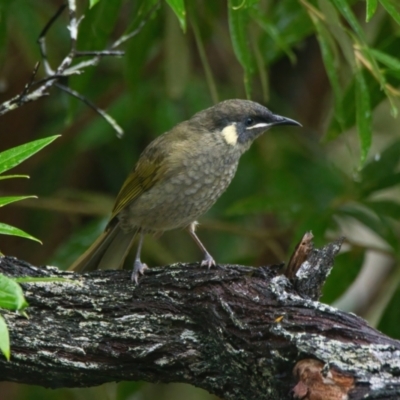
[332,65]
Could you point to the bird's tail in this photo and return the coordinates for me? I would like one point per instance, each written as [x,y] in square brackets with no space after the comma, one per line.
[107,252]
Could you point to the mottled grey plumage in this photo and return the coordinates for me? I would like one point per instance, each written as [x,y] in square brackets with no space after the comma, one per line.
[178,177]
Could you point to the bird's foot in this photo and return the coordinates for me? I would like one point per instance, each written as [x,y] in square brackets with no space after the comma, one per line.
[138,269]
[208,261]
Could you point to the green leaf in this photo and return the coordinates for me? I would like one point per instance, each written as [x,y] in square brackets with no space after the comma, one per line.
[369,186]
[291,22]
[377,224]
[348,14]
[11,295]
[363,115]
[4,339]
[238,18]
[384,207]
[371,8]
[381,172]
[376,94]
[10,230]
[178,6]
[384,163]
[92,3]
[273,31]
[344,8]
[360,41]
[144,9]
[390,7]
[15,156]
[12,199]
[386,59]
[330,59]
[337,29]
[13,176]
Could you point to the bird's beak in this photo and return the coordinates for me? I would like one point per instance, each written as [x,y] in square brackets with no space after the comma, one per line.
[279,120]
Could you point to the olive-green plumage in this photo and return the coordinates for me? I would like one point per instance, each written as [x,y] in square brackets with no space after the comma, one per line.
[177,178]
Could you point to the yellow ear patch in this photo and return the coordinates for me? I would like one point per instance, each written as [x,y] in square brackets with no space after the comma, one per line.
[230,134]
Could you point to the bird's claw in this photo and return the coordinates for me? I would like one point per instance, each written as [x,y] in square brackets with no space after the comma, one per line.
[208,261]
[138,269]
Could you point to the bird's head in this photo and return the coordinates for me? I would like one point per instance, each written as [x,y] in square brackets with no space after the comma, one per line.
[238,122]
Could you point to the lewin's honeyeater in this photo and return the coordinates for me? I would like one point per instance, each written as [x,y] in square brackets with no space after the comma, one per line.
[178,177]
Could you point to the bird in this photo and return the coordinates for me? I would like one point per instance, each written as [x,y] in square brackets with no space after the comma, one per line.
[177,178]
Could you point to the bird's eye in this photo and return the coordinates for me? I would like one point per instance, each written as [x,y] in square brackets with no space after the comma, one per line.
[249,121]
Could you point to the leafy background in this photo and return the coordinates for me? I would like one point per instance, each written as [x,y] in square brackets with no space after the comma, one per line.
[332,65]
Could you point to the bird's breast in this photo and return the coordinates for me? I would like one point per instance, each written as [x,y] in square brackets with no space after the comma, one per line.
[183,196]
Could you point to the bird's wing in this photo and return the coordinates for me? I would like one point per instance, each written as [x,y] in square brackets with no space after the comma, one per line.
[150,169]
[146,174]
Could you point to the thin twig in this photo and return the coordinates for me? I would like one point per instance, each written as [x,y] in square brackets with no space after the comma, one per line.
[100,53]
[65,68]
[16,102]
[30,83]
[51,21]
[42,39]
[93,106]
[56,77]
[73,24]
[130,35]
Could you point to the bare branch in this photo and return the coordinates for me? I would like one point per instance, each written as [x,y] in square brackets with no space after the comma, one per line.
[130,35]
[66,67]
[98,110]
[42,39]
[73,24]
[100,53]
[30,83]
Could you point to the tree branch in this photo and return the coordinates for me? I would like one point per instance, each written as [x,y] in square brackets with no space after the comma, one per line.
[67,67]
[239,332]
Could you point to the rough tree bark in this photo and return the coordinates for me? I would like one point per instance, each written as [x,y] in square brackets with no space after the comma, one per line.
[239,332]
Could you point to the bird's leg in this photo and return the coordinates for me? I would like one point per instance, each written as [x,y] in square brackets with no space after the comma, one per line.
[208,260]
[138,266]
